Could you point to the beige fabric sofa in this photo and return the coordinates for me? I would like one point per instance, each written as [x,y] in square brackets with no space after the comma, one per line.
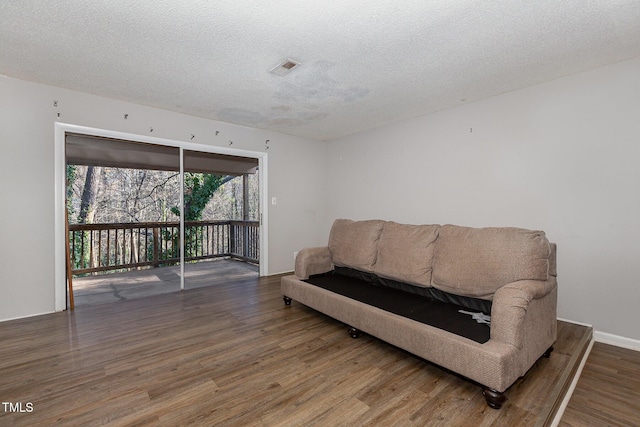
[514,269]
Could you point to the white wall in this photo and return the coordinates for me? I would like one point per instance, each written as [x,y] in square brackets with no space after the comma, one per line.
[296,178]
[563,157]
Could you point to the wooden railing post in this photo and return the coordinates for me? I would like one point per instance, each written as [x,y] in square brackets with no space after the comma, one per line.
[245,215]
[245,240]
[232,239]
[156,248]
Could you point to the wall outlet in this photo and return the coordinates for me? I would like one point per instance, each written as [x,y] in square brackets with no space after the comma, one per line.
[295,255]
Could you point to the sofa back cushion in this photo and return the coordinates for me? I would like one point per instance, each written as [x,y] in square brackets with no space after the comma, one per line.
[354,244]
[476,262]
[405,253]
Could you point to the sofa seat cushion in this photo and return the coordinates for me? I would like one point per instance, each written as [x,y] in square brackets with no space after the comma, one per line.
[354,244]
[438,314]
[405,252]
[476,262]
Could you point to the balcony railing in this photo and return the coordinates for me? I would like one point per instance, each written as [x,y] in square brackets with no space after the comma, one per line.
[125,246]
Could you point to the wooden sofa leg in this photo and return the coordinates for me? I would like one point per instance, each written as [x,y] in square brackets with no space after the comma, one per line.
[547,353]
[355,333]
[494,399]
[286,300]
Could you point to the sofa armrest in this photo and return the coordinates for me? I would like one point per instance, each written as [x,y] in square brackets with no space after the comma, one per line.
[312,261]
[523,314]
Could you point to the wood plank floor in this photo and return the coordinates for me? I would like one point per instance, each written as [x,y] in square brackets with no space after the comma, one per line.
[234,354]
[608,391]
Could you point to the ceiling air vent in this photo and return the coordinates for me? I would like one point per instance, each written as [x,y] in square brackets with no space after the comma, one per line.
[284,67]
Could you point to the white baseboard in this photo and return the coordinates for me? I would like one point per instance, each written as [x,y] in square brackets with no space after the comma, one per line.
[27,316]
[606,338]
[282,272]
[575,323]
[616,340]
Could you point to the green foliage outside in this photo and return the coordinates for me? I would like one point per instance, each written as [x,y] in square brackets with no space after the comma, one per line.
[198,190]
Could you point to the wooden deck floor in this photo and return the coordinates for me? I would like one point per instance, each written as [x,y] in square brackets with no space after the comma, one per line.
[234,354]
[145,283]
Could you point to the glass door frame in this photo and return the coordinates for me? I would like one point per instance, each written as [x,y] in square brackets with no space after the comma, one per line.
[60,132]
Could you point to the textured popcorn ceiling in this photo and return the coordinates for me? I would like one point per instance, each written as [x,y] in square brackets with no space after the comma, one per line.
[364,63]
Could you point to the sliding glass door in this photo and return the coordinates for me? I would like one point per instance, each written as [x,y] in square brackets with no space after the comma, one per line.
[217,217]
[155,217]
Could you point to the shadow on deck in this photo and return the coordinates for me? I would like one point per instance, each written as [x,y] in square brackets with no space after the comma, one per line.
[144,283]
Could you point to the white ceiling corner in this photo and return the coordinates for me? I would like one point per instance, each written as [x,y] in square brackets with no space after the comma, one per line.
[364,64]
